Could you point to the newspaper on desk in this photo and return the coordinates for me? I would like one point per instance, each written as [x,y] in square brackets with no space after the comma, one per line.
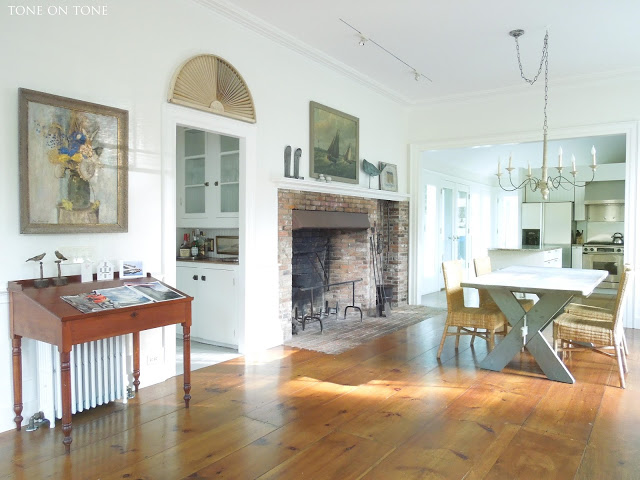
[128,295]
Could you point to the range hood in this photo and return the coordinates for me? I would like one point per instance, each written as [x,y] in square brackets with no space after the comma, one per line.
[329,220]
[605,210]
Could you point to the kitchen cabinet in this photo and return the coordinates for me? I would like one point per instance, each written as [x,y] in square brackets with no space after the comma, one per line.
[215,301]
[207,179]
[531,216]
[534,257]
[576,256]
[579,211]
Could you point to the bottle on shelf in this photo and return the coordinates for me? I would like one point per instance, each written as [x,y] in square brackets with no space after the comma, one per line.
[194,243]
[202,244]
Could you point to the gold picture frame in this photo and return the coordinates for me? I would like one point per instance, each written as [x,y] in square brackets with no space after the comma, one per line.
[73,165]
[334,144]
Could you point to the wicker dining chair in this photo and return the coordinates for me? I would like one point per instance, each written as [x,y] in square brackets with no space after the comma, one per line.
[602,330]
[482,266]
[600,313]
[466,320]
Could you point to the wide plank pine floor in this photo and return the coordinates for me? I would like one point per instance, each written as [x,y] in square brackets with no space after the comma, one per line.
[384,410]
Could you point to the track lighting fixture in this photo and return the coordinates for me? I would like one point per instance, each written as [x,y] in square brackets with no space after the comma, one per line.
[364,39]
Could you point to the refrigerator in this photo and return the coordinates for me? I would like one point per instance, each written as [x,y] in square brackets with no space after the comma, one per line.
[557,228]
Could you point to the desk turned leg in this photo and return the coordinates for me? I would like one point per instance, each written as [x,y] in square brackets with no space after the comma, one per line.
[17,380]
[65,376]
[186,345]
[136,360]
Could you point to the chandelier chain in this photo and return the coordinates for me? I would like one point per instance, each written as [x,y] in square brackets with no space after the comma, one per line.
[544,61]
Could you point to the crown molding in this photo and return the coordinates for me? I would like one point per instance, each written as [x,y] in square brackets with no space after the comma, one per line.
[575,81]
[267,30]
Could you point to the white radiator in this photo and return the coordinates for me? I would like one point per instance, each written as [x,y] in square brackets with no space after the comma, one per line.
[98,376]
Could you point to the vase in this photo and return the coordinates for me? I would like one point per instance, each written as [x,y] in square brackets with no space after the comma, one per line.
[78,191]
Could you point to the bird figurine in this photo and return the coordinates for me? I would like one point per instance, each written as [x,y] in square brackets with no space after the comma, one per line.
[37,258]
[60,256]
[370,169]
[39,282]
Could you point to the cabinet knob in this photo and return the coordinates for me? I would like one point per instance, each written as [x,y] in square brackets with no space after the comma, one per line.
[206,184]
[195,277]
[203,278]
[134,314]
[215,183]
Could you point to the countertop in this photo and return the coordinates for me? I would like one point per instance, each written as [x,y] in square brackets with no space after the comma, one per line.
[525,248]
[208,260]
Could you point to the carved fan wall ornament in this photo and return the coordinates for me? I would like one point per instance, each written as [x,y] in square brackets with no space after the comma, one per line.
[209,83]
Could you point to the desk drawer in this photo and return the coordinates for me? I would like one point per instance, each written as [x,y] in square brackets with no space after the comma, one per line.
[128,320]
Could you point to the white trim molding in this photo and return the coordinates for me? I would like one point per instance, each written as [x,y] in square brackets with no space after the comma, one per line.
[337,188]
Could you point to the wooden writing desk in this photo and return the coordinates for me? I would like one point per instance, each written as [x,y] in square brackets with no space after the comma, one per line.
[42,315]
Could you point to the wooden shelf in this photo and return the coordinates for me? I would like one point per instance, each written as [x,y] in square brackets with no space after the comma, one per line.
[339,188]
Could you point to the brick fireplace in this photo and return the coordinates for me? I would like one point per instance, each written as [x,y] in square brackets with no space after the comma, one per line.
[312,256]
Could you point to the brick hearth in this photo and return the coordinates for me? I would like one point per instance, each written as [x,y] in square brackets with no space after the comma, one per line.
[354,257]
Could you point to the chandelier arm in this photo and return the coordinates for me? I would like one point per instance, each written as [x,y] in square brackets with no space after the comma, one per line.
[530,181]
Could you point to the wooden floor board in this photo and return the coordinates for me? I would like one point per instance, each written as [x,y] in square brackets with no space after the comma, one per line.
[386,409]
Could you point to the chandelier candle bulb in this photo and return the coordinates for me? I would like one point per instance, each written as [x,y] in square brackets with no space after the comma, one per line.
[593,155]
[510,155]
[498,167]
[573,163]
[560,157]
[529,169]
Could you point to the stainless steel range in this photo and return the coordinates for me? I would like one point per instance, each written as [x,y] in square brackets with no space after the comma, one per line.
[605,256]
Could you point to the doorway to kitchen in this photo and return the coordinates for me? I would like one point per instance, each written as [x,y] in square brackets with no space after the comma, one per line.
[445,227]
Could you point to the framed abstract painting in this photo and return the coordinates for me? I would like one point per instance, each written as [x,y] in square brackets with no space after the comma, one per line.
[73,165]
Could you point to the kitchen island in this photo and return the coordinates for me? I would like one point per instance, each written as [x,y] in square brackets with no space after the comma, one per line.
[528,256]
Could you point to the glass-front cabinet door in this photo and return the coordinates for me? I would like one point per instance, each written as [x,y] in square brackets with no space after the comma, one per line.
[195,172]
[229,176]
[208,179]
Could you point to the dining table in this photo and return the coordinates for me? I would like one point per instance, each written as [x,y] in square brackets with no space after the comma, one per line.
[554,287]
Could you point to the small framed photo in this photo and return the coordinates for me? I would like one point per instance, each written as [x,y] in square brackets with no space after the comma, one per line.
[388,177]
[228,245]
[131,269]
[104,270]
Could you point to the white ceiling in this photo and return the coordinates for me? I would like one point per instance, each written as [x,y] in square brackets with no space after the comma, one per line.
[462,45]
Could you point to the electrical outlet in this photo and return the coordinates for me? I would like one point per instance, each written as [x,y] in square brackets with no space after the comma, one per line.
[153,359]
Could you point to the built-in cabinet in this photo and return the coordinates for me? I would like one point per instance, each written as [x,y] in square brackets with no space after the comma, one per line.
[576,256]
[215,301]
[208,179]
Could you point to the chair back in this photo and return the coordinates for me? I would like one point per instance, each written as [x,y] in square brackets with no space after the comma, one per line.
[623,288]
[482,266]
[452,272]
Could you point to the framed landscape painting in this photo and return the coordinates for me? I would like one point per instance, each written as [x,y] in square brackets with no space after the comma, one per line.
[334,145]
[73,165]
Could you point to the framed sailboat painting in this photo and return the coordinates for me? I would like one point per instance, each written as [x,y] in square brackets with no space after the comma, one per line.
[333,144]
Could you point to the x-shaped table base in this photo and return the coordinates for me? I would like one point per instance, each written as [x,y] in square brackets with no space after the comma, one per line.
[542,313]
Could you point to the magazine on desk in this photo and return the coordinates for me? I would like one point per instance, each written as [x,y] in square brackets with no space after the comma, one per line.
[128,295]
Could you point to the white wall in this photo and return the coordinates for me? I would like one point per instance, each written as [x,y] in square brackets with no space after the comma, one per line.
[126,59]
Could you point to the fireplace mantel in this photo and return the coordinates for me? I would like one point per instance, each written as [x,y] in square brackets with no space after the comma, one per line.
[338,188]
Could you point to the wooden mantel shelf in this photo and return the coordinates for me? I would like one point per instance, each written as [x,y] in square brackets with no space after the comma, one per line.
[339,188]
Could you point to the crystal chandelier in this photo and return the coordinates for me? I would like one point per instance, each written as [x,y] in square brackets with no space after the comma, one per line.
[545,182]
